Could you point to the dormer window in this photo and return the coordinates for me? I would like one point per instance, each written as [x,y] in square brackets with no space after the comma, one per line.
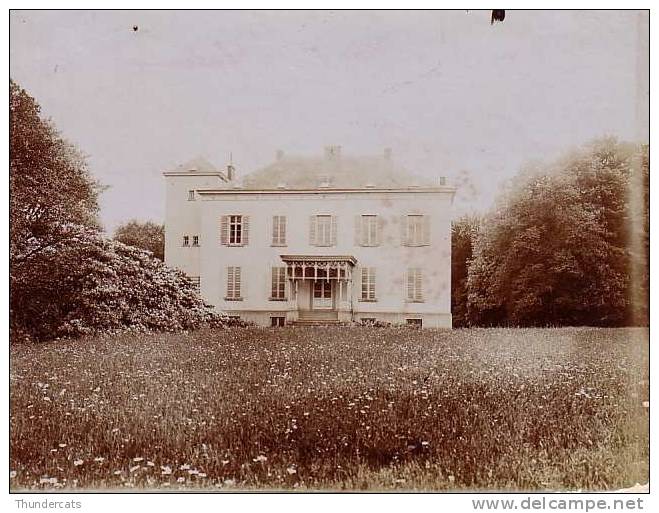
[186,240]
[195,240]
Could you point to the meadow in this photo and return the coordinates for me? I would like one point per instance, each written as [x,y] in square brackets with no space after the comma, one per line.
[355,408]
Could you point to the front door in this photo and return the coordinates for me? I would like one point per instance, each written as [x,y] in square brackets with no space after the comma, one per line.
[322,295]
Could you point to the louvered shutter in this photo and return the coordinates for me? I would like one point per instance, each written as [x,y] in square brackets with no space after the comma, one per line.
[333,228]
[230,289]
[312,230]
[282,230]
[358,230]
[371,283]
[379,229]
[418,283]
[410,284]
[426,230]
[404,232]
[237,280]
[245,230]
[224,230]
[275,228]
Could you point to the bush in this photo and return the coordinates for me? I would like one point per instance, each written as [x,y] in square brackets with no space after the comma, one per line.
[94,285]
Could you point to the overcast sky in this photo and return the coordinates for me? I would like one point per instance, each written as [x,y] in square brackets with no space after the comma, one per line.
[448,92]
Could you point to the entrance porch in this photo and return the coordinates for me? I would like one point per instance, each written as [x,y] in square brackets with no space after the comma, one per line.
[321,288]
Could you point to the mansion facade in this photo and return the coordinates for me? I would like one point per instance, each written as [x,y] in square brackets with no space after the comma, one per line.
[314,240]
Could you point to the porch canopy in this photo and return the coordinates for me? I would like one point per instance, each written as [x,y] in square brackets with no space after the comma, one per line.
[319,267]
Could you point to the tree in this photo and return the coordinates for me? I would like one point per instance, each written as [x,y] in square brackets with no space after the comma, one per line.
[463,236]
[148,235]
[51,189]
[556,250]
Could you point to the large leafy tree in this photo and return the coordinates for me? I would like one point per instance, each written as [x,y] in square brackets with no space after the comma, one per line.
[557,249]
[463,236]
[52,192]
[147,235]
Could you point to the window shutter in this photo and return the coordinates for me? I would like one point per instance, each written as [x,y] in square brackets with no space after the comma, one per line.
[237,281]
[404,231]
[358,230]
[371,284]
[410,284]
[312,230]
[275,228]
[229,281]
[224,230]
[426,230]
[333,224]
[379,229]
[282,230]
[245,230]
[418,282]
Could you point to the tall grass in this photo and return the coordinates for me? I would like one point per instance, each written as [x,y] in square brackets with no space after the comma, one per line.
[333,408]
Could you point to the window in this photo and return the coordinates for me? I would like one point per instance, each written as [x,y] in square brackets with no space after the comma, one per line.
[196,282]
[234,230]
[367,230]
[195,240]
[233,284]
[416,323]
[416,230]
[191,196]
[322,230]
[186,240]
[277,322]
[368,320]
[368,284]
[414,285]
[322,289]
[278,292]
[278,230]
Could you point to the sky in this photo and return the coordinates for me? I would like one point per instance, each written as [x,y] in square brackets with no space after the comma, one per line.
[449,93]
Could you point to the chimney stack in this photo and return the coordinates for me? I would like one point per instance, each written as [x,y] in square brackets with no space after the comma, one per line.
[231,172]
[332,152]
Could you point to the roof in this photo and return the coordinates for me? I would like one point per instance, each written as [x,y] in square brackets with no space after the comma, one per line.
[197,165]
[332,171]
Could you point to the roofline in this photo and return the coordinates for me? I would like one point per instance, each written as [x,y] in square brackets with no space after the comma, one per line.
[196,173]
[442,189]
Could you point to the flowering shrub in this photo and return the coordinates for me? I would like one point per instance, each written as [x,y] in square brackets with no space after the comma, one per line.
[95,285]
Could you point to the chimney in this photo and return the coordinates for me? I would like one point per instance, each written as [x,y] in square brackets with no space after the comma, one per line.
[231,172]
[387,153]
[332,152]
[279,155]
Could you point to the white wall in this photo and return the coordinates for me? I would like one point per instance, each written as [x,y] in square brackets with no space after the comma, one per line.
[390,259]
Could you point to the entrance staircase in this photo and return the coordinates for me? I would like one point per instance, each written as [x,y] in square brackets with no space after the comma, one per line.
[317,318]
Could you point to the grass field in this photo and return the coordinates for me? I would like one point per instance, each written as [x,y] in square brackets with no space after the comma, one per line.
[333,408]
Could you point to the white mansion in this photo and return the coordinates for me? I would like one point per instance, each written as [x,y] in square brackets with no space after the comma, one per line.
[336,238]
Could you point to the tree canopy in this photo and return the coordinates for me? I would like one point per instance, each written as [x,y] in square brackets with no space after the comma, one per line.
[145,235]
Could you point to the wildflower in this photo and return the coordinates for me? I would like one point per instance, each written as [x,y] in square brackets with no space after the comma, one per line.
[180,480]
[184,467]
[77,463]
[62,445]
[150,464]
[166,470]
[260,458]
[138,459]
[291,470]
[117,472]
[99,459]
[133,469]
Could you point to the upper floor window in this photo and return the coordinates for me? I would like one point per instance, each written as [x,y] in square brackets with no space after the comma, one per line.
[186,240]
[415,284]
[233,283]
[234,230]
[367,230]
[368,284]
[278,230]
[191,196]
[195,240]
[416,230]
[278,291]
[322,230]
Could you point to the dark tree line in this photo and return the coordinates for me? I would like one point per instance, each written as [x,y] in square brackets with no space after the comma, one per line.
[567,244]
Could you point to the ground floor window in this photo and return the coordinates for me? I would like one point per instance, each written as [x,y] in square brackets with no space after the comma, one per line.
[368,320]
[277,322]
[233,283]
[417,323]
